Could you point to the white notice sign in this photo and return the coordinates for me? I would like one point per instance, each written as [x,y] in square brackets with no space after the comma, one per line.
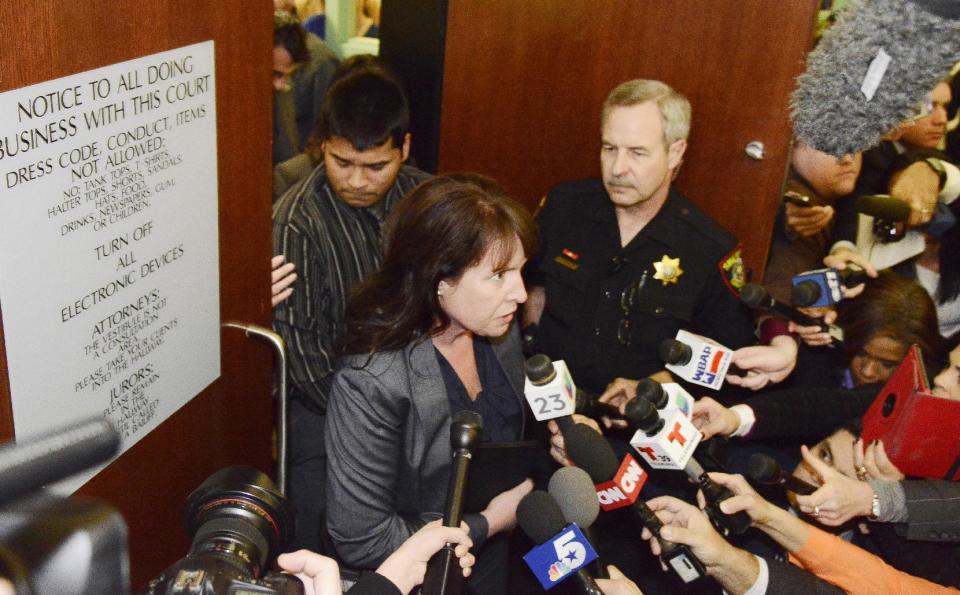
[109,275]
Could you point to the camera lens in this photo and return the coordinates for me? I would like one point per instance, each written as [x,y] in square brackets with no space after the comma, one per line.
[238,515]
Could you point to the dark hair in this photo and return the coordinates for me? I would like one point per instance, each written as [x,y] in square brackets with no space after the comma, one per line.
[891,306]
[353,64]
[853,425]
[367,107]
[289,34]
[437,231]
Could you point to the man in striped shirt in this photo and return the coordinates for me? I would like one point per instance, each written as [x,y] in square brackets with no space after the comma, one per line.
[330,227]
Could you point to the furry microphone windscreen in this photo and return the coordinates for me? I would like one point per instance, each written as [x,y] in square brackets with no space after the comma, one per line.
[832,113]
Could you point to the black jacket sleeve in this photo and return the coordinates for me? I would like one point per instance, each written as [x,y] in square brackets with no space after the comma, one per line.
[807,413]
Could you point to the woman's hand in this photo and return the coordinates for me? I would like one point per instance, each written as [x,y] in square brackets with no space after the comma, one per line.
[839,498]
[765,363]
[618,393]
[814,336]
[713,419]
[873,462]
[501,513]
[558,448]
[407,566]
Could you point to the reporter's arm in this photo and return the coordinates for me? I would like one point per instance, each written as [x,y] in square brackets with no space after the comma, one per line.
[855,570]
[735,569]
[406,567]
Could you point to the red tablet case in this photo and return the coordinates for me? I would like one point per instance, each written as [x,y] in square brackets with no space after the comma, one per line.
[920,432]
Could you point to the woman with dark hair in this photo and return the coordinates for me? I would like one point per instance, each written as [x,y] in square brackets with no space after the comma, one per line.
[938,270]
[879,327]
[429,335]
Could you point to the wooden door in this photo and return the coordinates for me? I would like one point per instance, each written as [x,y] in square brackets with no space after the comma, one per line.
[523,82]
[230,422]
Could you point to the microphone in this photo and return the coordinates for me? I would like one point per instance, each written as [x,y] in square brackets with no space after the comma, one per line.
[884,207]
[657,437]
[591,453]
[573,490]
[889,215]
[551,393]
[30,464]
[562,548]
[820,288]
[443,570]
[764,469]
[873,66]
[756,297]
[697,359]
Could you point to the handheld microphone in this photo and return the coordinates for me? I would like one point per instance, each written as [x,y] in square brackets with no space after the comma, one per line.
[562,548]
[443,575]
[883,206]
[551,393]
[756,297]
[698,359]
[665,396]
[592,454]
[30,464]
[888,217]
[764,469]
[659,447]
[873,66]
[573,490]
[820,288]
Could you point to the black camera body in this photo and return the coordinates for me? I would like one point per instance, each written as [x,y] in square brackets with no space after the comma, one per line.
[239,522]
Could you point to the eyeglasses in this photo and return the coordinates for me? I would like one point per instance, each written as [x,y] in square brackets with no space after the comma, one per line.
[628,303]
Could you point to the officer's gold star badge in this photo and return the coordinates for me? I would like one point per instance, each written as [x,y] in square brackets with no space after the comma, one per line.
[668,270]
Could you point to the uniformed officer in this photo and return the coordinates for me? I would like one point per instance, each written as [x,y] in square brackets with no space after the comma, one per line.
[625,261]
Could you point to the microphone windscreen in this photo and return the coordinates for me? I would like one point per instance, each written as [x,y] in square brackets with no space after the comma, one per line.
[805,293]
[885,208]
[466,429]
[591,452]
[831,113]
[651,390]
[763,468]
[539,369]
[539,515]
[642,415]
[675,352]
[753,294]
[35,462]
[576,495]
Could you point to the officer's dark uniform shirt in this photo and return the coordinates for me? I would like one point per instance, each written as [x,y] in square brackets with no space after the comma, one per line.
[585,273]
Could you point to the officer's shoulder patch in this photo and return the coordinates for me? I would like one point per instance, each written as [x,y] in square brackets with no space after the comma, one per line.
[732,270]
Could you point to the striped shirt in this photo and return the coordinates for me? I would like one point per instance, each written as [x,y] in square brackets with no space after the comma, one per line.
[334,246]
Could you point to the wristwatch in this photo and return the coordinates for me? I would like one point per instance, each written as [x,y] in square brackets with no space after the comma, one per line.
[875,507]
[938,169]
